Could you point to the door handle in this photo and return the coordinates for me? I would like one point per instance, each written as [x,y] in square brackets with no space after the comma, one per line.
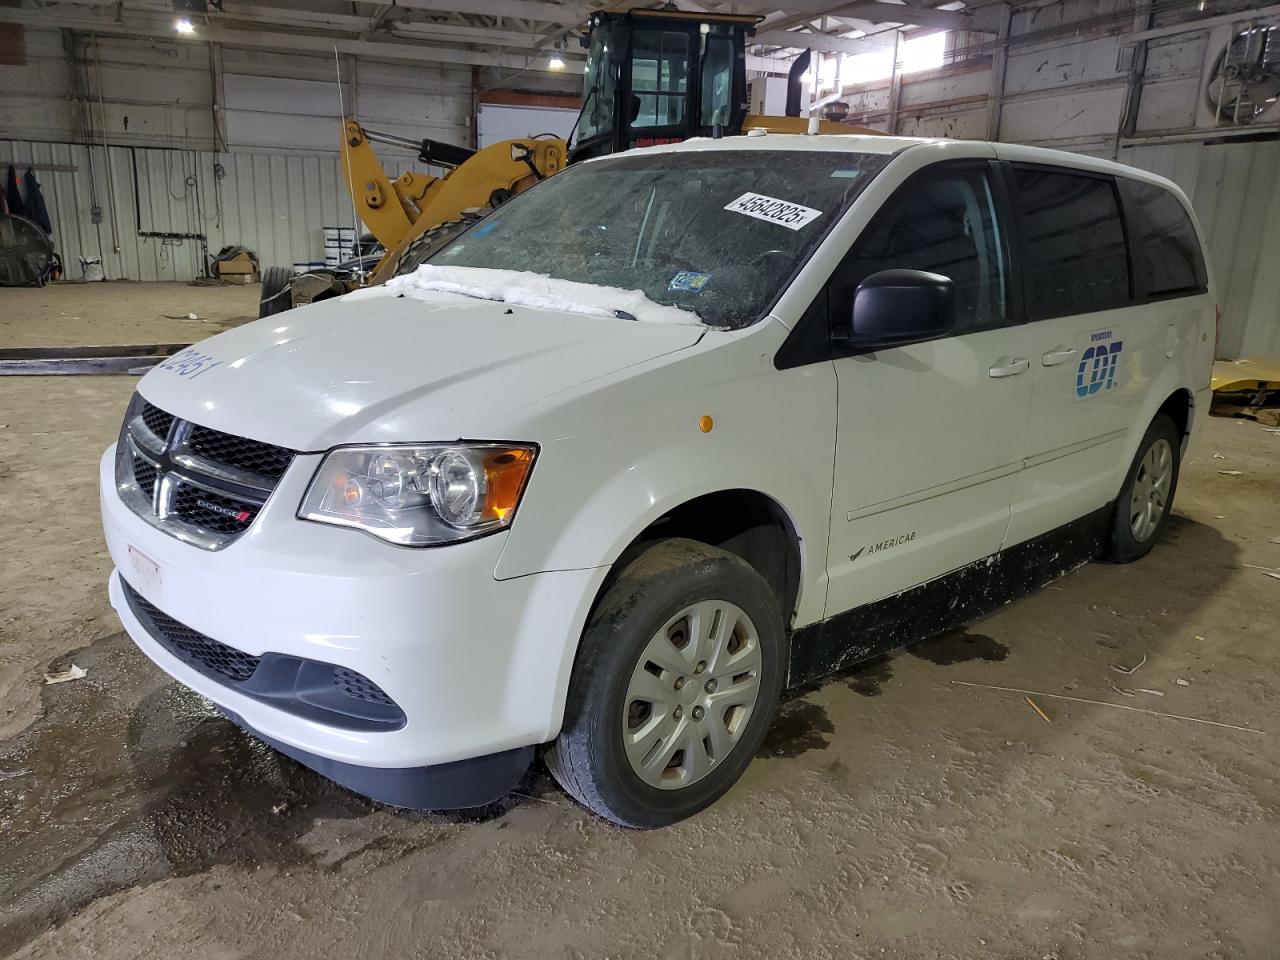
[1059,354]
[1006,367]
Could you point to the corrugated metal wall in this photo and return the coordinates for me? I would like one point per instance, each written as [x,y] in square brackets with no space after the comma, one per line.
[1236,194]
[275,204]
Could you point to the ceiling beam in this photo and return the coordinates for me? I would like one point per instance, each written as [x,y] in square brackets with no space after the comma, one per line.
[408,29]
[873,12]
[799,40]
[570,14]
[914,15]
[283,38]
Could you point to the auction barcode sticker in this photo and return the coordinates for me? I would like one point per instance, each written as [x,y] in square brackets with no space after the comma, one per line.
[789,215]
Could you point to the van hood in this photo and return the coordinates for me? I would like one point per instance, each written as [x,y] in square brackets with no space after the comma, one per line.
[385,369]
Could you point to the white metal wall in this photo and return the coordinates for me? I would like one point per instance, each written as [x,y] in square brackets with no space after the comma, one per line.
[1236,194]
[275,204]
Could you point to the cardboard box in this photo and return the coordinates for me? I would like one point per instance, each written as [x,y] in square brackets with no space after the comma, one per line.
[239,265]
[240,277]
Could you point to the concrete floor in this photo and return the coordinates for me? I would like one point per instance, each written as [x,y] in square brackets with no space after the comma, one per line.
[893,812]
[92,314]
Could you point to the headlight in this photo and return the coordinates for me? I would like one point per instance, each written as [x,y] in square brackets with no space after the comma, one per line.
[419,496]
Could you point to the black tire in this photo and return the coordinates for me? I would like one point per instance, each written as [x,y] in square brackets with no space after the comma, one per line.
[429,242]
[274,297]
[1123,546]
[589,759]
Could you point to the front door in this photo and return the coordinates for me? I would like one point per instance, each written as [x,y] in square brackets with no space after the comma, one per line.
[929,435]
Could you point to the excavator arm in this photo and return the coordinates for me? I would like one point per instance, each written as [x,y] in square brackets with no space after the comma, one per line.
[398,210]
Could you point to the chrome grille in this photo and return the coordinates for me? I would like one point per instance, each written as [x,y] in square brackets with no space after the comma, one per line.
[156,420]
[193,482]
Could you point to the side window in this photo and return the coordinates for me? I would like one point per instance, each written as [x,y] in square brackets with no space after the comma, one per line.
[1075,255]
[717,80]
[1167,258]
[659,77]
[943,222]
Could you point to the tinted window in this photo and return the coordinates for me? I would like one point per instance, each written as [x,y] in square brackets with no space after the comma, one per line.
[1075,255]
[943,223]
[1166,254]
[659,77]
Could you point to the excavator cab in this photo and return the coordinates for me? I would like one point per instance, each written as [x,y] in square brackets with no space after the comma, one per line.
[661,76]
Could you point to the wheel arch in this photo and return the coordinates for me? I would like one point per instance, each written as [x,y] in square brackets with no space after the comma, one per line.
[1180,407]
[745,522]
[1168,395]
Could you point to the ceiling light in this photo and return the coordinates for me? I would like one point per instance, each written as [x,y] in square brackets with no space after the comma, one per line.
[556,62]
[183,26]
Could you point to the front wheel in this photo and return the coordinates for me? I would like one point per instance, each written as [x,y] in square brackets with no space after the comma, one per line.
[680,668]
[1146,499]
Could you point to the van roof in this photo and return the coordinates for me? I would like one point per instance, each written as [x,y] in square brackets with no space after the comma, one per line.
[868,143]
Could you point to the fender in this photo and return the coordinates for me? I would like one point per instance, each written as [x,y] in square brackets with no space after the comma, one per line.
[652,424]
[1166,385]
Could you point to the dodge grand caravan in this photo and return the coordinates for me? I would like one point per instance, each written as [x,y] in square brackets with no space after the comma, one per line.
[670,432]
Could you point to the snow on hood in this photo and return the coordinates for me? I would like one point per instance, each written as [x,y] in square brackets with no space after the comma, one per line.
[536,290]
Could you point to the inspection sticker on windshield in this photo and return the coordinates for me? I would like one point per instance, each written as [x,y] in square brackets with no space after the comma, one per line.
[789,215]
[689,280]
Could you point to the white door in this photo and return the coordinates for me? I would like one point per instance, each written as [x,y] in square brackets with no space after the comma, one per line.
[1093,352]
[929,435]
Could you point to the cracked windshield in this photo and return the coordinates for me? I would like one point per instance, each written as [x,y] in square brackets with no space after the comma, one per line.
[714,233]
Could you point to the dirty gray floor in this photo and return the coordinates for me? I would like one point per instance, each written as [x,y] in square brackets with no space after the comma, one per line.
[893,812]
[93,314]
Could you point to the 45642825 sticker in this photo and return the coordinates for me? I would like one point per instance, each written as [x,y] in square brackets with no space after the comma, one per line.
[1099,363]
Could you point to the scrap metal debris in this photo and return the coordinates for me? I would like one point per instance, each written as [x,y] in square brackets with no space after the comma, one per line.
[63,676]
[1104,703]
[1034,706]
[1231,473]
[1129,671]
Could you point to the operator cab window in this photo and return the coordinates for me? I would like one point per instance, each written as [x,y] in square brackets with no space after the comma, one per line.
[717,79]
[942,222]
[659,77]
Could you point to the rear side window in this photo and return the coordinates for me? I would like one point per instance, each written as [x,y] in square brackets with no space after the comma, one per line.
[1167,258]
[1073,241]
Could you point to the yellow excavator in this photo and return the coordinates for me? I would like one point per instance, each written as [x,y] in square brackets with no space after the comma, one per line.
[652,76]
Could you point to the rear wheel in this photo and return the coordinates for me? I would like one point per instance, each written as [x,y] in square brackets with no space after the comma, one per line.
[679,671]
[1146,499]
[274,297]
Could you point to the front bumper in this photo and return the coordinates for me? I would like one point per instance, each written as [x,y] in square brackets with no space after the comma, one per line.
[479,666]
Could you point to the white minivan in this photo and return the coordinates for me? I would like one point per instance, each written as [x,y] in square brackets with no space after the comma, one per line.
[670,432]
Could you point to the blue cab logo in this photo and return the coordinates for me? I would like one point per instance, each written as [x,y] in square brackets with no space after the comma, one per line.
[1098,364]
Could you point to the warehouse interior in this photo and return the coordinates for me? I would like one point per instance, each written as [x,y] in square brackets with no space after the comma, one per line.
[181,148]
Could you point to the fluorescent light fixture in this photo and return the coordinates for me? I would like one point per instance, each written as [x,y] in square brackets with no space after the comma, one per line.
[183,26]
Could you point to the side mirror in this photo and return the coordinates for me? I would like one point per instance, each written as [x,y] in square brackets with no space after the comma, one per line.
[901,306]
